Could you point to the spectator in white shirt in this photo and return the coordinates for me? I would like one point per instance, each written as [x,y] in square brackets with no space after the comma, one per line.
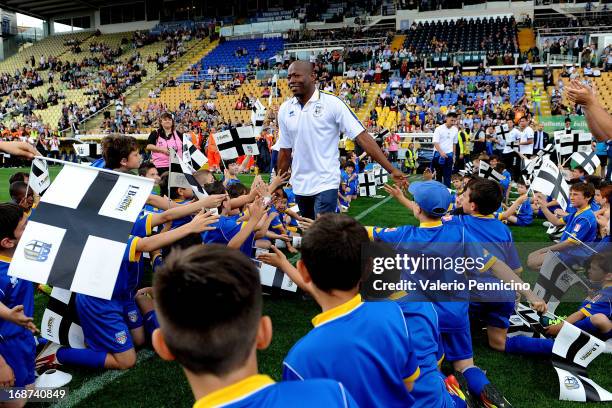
[445,140]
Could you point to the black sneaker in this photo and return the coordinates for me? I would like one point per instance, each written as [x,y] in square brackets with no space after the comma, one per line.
[491,397]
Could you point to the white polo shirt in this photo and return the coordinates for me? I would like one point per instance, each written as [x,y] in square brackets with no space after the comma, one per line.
[526,134]
[313,132]
[446,137]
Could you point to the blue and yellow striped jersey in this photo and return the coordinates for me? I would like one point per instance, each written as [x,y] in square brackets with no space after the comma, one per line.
[364,345]
[262,392]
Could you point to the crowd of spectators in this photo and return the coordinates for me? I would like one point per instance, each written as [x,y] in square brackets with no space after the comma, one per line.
[414,98]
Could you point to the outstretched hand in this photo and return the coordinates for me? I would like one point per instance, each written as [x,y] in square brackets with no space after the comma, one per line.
[21,149]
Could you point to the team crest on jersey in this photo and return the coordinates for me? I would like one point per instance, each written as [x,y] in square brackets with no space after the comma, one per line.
[133,316]
[121,337]
[317,110]
[577,228]
[291,113]
[390,229]
[14,281]
[37,251]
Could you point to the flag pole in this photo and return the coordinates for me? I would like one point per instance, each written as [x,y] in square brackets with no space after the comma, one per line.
[29,181]
[576,238]
[63,162]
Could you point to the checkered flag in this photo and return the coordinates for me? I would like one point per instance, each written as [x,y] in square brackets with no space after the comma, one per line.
[236,142]
[193,155]
[554,281]
[258,116]
[486,171]
[367,184]
[77,236]
[39,176]
[274,278]
[60,322]
[181,175]
[573,351]
[588,161]
[549,181]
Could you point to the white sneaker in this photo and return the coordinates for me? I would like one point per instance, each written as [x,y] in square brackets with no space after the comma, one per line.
[547,224]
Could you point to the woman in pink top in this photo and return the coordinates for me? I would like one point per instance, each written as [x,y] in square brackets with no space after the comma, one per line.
[161,140]
[393,146]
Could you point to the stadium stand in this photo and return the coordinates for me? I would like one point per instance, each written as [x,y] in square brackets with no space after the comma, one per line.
[235,56]
[488,34]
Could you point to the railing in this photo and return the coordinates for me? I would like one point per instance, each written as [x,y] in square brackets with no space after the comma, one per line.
[567,31]
[358,42]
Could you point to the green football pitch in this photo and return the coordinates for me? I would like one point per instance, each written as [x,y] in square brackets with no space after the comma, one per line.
[526,382]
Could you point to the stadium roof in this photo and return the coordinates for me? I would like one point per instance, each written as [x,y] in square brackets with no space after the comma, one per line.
[49,8]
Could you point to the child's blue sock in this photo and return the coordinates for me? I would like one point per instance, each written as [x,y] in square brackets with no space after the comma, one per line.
[529,345]
[586,325]
[40,340]
[150,323]
[81,357]
[476,379]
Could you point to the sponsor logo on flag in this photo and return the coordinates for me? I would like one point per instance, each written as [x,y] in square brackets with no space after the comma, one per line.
[37,251]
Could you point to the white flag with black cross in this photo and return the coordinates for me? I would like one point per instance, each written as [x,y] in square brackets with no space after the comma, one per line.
[367,184]
[60,321]
[525,322]
[258,116]
[39,176]
[192,155]
[381,176]
[573,351]
[588,161]
[554,280]
[485,170]
[274,278]
[236,142]
[509,137]
[77,236]
[181,175]
[575,142]
[468,169]
[550,181]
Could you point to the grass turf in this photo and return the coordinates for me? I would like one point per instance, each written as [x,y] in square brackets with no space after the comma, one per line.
[526,382]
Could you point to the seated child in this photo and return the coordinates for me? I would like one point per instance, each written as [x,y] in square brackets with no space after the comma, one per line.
[520,213]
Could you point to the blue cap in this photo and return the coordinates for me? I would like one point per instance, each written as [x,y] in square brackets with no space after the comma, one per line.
[432,196]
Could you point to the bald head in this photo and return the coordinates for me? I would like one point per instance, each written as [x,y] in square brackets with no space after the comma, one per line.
[302,66]
[301,79]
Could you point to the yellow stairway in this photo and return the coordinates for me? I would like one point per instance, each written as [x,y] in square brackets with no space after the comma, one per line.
[545,104]
[398,42]
[526,39]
